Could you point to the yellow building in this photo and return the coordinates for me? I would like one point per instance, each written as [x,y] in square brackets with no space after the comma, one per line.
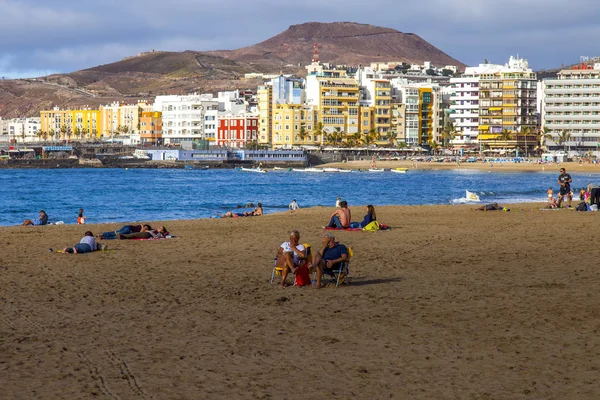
[295,125]
[507,103]
[119,118]
[151,127]
[265,116]
[70,124]
[398,121]
[338,101]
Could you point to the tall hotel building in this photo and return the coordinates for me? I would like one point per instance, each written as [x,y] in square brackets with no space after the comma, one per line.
[490,99]
[571,103]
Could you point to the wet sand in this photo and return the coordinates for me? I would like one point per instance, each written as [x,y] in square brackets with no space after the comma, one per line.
[571,167]
[450,304]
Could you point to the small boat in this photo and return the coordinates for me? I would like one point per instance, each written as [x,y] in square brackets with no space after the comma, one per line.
[259,170]
[344,171]
[470,196]
[376,170]
[278,168]
[399,170]
[331,170]
[308,170]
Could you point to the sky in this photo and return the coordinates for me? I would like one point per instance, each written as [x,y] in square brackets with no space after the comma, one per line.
[39,37]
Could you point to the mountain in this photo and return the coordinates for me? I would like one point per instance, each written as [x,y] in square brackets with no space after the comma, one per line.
[159,72]
[340,43]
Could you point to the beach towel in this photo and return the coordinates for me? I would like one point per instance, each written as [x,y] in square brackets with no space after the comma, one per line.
[330,228]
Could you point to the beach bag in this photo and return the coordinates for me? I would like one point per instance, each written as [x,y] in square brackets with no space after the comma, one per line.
[581,206]
[593,207]
[302,275]
[372,226]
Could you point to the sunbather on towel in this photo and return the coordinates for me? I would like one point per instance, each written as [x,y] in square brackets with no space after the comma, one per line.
[127,229]
[341,217]
[41,220]
[87,244]
[290,255]
[159,233]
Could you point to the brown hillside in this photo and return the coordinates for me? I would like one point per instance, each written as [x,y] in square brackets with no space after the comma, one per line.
[340,43]
[160,72]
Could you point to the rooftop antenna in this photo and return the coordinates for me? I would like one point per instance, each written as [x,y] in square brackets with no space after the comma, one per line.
[315,58]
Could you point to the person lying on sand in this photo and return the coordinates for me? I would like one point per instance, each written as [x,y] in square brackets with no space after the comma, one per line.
[87,244]
[489,207]
[258,211]
[125,230]
[159,233]
[290,255]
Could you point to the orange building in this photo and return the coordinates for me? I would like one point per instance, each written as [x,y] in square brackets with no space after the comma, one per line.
[151,128]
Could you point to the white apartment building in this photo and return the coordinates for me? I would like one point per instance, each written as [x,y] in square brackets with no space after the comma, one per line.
[21,130]
[465,102]
[571,104]
[188,118]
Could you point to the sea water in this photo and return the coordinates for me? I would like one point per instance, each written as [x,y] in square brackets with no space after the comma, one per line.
[123,195]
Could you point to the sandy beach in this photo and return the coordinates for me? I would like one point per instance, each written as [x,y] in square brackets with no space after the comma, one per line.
[571,167]
[450,304]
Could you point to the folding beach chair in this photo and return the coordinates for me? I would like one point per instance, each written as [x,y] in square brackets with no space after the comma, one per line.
[278,270]
[339,275]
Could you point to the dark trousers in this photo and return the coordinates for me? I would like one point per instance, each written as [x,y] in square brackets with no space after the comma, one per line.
[595,196]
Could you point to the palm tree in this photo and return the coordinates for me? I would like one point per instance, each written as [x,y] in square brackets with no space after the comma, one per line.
[545,135]
[435,146]
[448,132]
[563,138]
[318,131]
[77,132]
[52,133]
[303,133]
[63,131]
[356,138]
[39,133]
[124,129]
[526,131]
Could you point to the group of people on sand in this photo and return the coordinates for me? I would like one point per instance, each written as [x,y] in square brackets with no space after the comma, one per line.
[341,218]
[88,242]
[257,212]
[292,255]
[588,196]
[42,219]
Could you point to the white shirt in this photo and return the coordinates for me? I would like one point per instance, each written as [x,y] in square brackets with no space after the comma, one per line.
[287,248]
[294,206]
[337,204]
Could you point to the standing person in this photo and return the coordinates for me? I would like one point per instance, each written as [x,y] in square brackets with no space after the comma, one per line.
[294,206]
[87,244]
[594,191]
[564,180]
[80,217]
[341,217]
[338,201]
[41,220]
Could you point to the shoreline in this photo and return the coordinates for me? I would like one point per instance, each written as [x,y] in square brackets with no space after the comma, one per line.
[492,167]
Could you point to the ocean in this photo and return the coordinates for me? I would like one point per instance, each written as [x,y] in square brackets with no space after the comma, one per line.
[130,195]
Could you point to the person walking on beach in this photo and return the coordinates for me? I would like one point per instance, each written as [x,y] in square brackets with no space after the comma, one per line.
[337,202]
[564,180]
[80,217]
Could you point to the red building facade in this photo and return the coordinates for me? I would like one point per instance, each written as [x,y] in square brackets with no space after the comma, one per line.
[236,130]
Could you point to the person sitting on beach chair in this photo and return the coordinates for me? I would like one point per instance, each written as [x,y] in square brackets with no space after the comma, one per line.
[41,220]
[331,259]
[290,256]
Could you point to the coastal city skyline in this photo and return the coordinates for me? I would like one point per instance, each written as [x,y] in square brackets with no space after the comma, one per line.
[39,39]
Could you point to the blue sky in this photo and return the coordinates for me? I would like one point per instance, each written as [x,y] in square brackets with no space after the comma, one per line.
[39,37]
